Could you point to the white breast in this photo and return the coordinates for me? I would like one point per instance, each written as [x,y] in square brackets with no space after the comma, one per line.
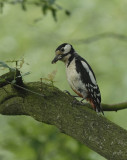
[74,79]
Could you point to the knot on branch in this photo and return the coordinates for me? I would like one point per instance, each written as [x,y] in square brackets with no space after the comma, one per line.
[13,106]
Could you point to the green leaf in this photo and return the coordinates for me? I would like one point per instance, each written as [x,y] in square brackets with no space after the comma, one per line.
[45,8]
[4,65]
[23,4]
[25,74]
[36,3]
[53,10]
[1,7]
[51,1]
[68,13]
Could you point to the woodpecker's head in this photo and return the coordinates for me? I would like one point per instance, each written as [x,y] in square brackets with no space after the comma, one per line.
[63,52]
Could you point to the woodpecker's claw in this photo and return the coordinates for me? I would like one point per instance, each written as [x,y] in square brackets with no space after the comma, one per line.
[82,100]
[74,102]
[67,92]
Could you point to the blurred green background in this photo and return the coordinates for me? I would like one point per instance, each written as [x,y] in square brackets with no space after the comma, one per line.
[34,37]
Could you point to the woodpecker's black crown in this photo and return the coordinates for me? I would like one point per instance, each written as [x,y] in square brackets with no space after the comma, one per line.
[65,47]
[61,46]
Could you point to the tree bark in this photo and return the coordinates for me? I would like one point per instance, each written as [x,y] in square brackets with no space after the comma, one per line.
[56,108]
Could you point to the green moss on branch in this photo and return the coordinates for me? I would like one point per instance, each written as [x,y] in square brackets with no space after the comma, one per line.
[56,108]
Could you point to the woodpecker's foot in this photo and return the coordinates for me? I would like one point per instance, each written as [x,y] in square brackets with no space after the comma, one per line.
[82,100]
[75,102]
[69,93]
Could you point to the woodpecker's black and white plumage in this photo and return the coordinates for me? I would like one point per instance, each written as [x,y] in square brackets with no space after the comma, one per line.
[80,75]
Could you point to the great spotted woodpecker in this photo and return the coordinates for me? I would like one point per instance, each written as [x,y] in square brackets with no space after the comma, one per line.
[80,75]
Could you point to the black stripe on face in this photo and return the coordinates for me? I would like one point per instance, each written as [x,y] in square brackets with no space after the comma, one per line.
[70,59]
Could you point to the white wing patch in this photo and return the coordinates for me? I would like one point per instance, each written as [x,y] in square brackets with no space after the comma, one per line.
[85,66]
[90,73]
[92,78]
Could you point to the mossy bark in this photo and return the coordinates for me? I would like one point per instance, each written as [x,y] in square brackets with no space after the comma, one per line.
[56,108]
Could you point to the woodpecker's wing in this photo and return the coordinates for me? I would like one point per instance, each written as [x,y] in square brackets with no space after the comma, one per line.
[89,80]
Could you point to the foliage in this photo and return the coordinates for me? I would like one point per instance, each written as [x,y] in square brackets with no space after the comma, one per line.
[50,77]
[4,65]
[45,5]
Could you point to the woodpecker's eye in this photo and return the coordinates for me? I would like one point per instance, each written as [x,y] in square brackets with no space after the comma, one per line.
[62,49]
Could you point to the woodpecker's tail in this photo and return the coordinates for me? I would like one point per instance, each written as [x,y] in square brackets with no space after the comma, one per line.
[99,109]
[96,107]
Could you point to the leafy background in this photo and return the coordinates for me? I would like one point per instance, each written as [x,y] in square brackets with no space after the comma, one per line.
[34,36]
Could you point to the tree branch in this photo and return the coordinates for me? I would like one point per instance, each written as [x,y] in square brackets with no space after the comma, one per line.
[101,36]
[111,107]
[114,107]
[56,108]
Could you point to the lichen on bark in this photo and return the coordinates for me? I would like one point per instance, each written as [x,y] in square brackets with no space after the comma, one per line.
[57,108]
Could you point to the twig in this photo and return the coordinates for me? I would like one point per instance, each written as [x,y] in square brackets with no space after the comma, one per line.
[26,89]
[114,107]
[111,107]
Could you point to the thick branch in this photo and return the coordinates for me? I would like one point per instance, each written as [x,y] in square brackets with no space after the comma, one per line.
[56,108]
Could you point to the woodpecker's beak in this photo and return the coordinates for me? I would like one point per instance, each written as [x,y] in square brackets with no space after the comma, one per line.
[57,57]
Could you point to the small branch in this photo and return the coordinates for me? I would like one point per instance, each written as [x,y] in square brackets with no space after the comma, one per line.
[101,36]
[23,88]
[111,107]
[114,107]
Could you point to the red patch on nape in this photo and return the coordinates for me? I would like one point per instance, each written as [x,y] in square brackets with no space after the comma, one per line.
[79,94]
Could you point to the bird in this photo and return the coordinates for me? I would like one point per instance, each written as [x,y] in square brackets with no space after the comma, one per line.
[80,75]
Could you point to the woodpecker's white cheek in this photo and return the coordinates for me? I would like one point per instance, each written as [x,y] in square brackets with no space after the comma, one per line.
[67,48]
